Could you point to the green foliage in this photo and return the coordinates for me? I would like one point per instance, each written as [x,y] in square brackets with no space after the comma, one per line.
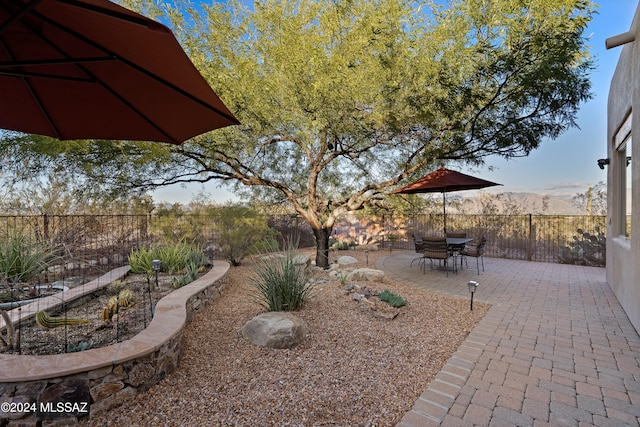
[340,245]
[392,299]
[585,249]
[177,224]
[280,281]
[7,296]
[241,231]
[174,256]
[342,276]
[340,101]
[80,346]
[22,258]
[191,273]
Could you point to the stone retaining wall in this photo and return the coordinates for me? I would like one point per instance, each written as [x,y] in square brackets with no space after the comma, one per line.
[68,386]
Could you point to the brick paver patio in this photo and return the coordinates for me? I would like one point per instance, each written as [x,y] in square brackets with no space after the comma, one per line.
[555,349]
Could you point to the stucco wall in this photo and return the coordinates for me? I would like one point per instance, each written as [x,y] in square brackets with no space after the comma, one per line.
[623,254]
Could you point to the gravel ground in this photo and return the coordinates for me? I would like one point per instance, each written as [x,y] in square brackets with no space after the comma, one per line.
[353,369]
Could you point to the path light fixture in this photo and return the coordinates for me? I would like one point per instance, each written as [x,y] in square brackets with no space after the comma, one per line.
[472,289]
[155,266]
[366,256]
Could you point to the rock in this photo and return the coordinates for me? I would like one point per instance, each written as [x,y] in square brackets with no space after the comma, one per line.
[102,391]
[18,400]
[303,259]
[275,330]
[70,282]
[346,260]
[358,297]
[55,269]
[366,248]
[366,275]
[72,266]
[141,373]
[378,308]
[74,391]
[118,258]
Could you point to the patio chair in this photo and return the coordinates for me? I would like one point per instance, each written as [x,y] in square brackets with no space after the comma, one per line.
[419,245]
[474,251]
[436,248]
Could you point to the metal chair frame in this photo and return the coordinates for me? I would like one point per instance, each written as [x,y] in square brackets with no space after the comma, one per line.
[477,252]
[437,249]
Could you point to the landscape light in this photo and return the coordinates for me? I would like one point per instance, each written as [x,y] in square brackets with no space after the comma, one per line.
[472,289]
[155,266]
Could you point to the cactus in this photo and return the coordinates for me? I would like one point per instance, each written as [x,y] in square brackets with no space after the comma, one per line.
[12,340]
[46,321]
[107,312]
[125,298]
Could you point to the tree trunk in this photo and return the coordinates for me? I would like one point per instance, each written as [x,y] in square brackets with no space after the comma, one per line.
[322,247]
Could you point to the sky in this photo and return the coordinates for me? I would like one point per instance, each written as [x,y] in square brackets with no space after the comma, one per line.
[568,165]
[565,166]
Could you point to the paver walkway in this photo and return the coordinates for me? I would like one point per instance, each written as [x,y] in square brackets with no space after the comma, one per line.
[555,349]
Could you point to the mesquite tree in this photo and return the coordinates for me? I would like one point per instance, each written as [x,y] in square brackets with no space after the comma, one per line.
[341,101]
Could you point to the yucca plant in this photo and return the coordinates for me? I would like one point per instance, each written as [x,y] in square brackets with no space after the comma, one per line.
[281,282]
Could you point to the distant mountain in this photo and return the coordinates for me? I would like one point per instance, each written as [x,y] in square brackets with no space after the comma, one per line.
[525,203]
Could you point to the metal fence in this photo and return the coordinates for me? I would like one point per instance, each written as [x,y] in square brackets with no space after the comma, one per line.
[85,245]
[571,239]
[100,242]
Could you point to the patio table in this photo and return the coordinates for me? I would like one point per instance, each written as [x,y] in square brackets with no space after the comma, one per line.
[458,242]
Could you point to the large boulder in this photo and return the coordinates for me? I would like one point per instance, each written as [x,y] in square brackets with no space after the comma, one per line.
[303,260]
[372,247]
[366,275]
[275,330]
[346,260]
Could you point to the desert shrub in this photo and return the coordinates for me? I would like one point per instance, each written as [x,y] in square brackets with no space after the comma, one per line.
[175,257]
[340,245]
[241,231]
[280,281]
[22,258]
[585,249]
[175,224]
[392,299]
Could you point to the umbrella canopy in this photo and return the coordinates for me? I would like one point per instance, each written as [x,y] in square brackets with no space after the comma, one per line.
[80,69]
[443,181]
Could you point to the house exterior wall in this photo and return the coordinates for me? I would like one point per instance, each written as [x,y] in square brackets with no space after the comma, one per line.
[623,253]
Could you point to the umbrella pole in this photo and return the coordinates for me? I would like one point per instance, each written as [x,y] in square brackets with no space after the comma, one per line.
[444,211]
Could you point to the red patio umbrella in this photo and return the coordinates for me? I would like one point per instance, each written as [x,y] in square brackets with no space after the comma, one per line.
[80,69]
[443,181]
